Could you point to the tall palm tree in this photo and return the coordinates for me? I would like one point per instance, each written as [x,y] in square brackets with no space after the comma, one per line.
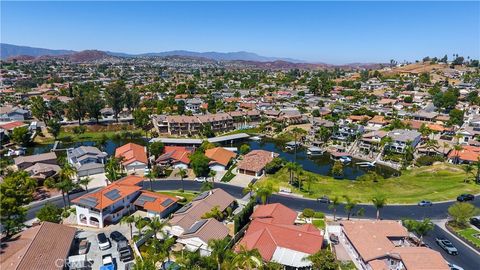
[85,181]
[249,189]
[292,168]
[379,201]
[182,173]
[247,259]
[212,174]
[264,191]
[421,228]
[150,175]
[128,220]
[349,206]
[457,148]
[219,251]
[156,225]
[431,145]
[140,224]
[334,203]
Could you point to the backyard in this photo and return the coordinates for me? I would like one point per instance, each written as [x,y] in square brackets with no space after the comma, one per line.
[436,183]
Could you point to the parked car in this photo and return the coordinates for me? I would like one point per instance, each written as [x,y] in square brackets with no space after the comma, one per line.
[124,251]
[117,236]
[103,241]
[425,203]
[200,179]
[83,247]
[323,199]
[446,245]
[107,262]
[465,197]
[454,267]
[475,221]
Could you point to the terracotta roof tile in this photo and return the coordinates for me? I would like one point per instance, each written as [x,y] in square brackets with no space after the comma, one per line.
[220,155]
[131,152]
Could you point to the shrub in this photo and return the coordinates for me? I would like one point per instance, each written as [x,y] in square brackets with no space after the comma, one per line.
[319,215]
[308,213]
[274,165]
[428,160]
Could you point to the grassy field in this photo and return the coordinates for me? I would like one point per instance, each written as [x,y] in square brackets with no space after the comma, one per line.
[92,133]
[469,235]
[437,183]
[319,223]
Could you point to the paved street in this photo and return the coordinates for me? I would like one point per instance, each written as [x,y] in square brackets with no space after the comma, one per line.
[467,259]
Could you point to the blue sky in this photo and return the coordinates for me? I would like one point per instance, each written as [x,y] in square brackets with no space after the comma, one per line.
[332,32]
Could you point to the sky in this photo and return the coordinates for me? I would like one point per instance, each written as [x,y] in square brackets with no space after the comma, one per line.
[330,32]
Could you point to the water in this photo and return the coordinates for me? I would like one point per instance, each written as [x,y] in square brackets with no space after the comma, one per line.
[319,164]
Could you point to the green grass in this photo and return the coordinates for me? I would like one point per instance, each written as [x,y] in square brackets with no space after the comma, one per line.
[469,235]
[187,195]
[436,183]
[229,175]
[319,223]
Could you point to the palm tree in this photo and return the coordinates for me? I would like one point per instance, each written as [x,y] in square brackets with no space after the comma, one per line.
[128,220]
[264,191]
[296,132]
[150,175]
[468,169]
[292,168]
[214,213]
[156,225]
[111,169]
[333,205]
[349,206]
[310,179]
[247,259]
[218,249]
[431,145]
[457,148]
[421,228]
[85,181]
[249,189]
[140,223]
[385,141]
[182,173]
[379,201]
[212,174]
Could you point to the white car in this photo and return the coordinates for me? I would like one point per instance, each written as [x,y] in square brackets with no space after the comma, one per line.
[103,241]
[425,203]
[446,245]
[200,179]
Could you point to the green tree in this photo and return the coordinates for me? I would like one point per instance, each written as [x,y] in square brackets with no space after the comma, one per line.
[421,228]
[337,169]
[456,117]
[50,213]
[84,181]
[199,163]
[323,260]
[379,201]
[16,190]
[39,108]
[220,250]
[247,259]
[461,213]
[21,135]
[142,120]
[144,264]
[129,220]
[244,149]
[95,104]
[264,191]
[156,225]
[214,213]
[115,97]
[156,148]
[334,203]
[53,127]
[132,99]
[349,206]
[77,108]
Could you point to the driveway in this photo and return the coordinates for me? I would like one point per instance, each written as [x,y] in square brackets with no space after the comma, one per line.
[241,180]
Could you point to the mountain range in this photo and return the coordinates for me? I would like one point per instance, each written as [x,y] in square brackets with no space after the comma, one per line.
[9,50]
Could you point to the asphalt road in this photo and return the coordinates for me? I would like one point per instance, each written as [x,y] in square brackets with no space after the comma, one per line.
[467,258]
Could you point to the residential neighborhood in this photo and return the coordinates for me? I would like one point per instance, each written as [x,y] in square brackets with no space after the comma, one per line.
[160,149]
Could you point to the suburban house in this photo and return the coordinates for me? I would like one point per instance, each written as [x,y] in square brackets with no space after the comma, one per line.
[383,244]
[45,246]
[376,123]
[192,230]
[467,155]
[371,139]
[347,131]
[12,113]
[188,125]
[10,126]
[272,231]
[133,157]
[401,138]
[40,166]
[87,160]
[109,204]
[255,161]
[156,204]
[175,156]
[193,105]
[220,158]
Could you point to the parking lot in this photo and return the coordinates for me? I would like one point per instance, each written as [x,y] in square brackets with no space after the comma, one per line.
[94,253]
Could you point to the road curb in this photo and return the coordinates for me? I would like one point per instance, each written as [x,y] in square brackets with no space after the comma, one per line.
[443,226]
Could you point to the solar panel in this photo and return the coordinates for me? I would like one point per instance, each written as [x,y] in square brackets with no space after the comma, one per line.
[184,208]
[113,194]
[167,202]
[202,196]
[143,199]
[196,226]
[89,201]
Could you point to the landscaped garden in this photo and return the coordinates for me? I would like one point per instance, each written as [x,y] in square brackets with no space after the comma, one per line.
[436,183]
[472,235]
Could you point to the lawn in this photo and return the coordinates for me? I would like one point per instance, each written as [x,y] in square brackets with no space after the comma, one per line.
[229,175]
[92,133]
[319,223]
[436,183]
[469,234]
[187,195]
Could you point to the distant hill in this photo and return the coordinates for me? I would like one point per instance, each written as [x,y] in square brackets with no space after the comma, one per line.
[9,50]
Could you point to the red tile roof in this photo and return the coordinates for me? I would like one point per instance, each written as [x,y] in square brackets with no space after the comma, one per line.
[175,154]
[156,205]
[468,152]
[275,213]
[13,125]
[256,160]
[220,155]
[130,153]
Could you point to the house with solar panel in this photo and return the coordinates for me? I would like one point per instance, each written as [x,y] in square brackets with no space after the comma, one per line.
[193,231]
[88,160]
[109,204]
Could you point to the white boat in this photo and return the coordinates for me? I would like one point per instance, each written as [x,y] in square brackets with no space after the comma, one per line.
[315,151]
[345,159]
[16,152]
[366,164]
[255,138]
